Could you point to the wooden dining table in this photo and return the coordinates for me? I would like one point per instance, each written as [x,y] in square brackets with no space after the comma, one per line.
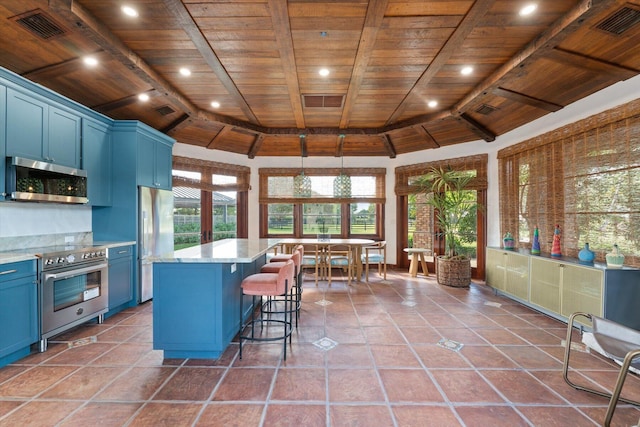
[323,245]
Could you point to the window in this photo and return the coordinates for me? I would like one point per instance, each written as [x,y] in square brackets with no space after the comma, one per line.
[419,229]
[583,177]
[284,214]
[210,201]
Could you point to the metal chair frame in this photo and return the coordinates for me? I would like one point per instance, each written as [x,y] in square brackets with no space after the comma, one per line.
[627,361]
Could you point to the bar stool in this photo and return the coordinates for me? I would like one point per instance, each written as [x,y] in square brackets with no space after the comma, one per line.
[269,306]
[269,285]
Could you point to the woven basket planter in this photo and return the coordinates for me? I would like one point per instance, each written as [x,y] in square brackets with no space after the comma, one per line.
[453,272]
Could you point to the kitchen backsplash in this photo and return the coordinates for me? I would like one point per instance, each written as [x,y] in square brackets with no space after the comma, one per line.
[39,221]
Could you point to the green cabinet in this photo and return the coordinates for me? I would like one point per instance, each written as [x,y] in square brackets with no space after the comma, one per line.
[96,160]
[154,162]
[40,131]
[508,272]
[120,276]
[561,286]
[18,310]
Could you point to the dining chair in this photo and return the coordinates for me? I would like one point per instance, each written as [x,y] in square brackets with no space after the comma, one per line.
[614,341]
[375,254]
[340,256]
[314,258]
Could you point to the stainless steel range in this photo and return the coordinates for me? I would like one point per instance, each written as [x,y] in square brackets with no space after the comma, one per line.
[73,288]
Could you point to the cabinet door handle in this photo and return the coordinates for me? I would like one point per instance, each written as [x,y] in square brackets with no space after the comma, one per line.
[123,252]
[8,272]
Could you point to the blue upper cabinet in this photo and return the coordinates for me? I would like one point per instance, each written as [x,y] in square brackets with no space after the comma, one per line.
[40,131]
[27,119]
[154,161]
[96,160]
[3,122]
[64,137]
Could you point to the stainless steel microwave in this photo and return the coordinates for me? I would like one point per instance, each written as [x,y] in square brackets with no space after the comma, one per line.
[38,181]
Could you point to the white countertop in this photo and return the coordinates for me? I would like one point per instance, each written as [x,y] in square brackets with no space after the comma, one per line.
[222,251]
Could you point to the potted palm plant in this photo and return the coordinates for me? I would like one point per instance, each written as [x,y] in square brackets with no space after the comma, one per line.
[453,206]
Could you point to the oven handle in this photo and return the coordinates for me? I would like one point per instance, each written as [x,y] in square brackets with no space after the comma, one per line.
[73,273]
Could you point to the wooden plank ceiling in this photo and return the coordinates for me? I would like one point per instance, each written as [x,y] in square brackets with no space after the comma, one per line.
[260,60]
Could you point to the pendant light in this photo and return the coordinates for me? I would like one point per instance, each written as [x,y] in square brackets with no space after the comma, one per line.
[301,182]
[342,183]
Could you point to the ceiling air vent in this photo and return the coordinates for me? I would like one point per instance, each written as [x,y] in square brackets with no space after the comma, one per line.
[323,101]
[40,24]
[165,110]
[485,109]
[620,21]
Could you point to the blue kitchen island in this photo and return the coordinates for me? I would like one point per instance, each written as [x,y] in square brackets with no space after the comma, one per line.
[196,296]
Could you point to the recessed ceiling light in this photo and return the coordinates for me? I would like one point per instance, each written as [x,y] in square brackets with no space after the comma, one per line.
[324,72]
[90,61]
[143,97]
[528,9]
[129,11]
[432,104]
[185,71]
[466,70]
[215,104]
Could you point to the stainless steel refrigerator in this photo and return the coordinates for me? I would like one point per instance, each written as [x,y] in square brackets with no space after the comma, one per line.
[155,216]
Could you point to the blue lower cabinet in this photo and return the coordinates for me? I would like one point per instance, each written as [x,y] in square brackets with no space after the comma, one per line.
[18,310]
[196,308]
[120,278]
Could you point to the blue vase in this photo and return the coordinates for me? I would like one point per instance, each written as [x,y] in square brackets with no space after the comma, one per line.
[586,255]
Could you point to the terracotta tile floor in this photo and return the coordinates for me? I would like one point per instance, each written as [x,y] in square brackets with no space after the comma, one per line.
[375,362]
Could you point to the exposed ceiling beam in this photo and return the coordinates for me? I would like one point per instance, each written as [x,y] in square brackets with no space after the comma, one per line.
[282,28]
[526,99]
[372,22]
[77,17]
[539,47]
[122,102]
[219,136]
[592,64]
[453,45]
[179,10]
[388,145]
[430,142]
[477,127]
[61,68]
[176,125]
[255,146]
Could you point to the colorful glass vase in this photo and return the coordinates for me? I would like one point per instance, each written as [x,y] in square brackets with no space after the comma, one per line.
[586,255]
[555,247]
[508,242]
[615,259]
[535,246]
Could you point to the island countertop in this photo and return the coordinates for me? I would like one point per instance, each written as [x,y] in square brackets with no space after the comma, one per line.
[221,251]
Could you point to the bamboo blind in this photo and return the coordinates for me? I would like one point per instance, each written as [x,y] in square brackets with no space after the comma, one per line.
[584,177]
[207,169]
[478,163]
[266,173]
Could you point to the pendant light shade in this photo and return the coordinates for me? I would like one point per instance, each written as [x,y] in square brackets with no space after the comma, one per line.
[342,183]
[301,182]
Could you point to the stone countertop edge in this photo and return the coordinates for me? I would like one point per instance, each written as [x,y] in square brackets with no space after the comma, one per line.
[24,254]
[114,244]
[9,257]
[221,251]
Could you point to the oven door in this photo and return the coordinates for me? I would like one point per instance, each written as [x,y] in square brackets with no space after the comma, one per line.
[72,295]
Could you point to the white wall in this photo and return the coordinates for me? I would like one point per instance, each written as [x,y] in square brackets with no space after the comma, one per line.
[615,95]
